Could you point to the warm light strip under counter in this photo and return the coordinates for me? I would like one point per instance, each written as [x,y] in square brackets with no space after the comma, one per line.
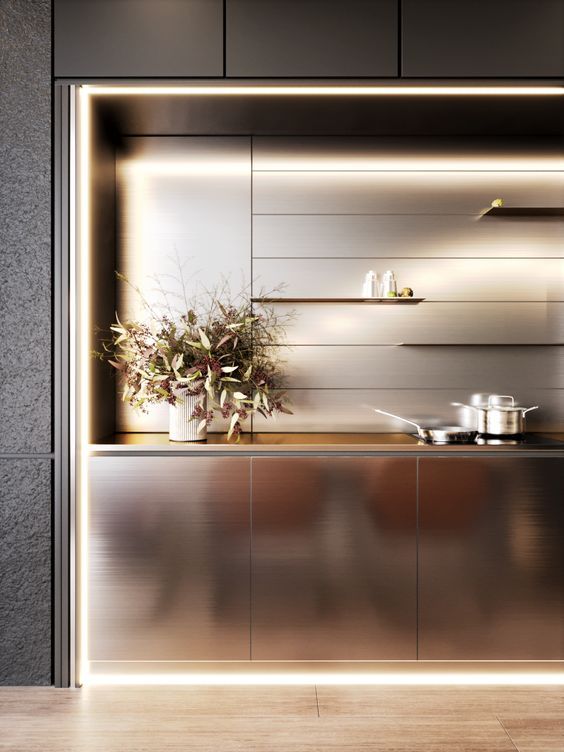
[306,90]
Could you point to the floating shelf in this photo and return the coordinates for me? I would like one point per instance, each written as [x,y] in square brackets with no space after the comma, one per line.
[372,301]
[525,211]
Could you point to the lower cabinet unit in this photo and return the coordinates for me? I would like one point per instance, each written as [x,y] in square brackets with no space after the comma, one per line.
[168,558]
[491,561]
[333,558]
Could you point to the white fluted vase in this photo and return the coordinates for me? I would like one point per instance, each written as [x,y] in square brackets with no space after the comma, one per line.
[181,426]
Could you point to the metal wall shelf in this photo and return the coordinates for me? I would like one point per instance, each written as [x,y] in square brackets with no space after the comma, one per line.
[387,301]
[525,211]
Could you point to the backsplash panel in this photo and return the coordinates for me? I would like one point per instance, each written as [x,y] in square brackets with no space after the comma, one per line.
[321,213]
[341,410]
[434,279]
[428,323]
[413,236]
[475,369]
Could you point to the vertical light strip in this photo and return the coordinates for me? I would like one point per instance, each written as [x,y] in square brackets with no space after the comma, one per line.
[83,412]
[73,361]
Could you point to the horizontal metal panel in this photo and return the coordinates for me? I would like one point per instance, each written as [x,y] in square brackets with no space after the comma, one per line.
[427,323]
[435,279]
[405,153]
[501,370]
[168,554]
[401,192]
[322,235]
[170,192]
[328,410]
[334,558]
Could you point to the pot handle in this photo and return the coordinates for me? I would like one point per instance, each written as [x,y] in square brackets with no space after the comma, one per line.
[528,409]
[493,400]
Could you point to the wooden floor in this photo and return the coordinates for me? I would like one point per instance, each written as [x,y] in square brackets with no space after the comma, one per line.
[308,718]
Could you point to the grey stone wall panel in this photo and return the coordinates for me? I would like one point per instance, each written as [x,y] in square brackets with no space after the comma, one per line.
[25,571]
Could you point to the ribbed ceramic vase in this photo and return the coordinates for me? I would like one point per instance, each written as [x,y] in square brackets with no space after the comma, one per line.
[180,425]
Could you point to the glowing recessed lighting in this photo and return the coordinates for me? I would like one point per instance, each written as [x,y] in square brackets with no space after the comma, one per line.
[415,678]
[356,91]
[83,310]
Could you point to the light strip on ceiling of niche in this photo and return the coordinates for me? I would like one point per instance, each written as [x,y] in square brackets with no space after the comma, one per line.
[355,91]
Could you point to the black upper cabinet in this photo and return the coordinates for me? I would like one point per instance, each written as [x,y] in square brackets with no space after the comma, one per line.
[121,38]
[311,38]
[482,38]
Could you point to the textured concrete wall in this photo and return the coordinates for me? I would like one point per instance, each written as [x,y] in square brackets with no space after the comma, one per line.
[25,567]
[25,342]
[25,225]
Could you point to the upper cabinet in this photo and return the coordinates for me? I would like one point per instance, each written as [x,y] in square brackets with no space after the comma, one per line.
[311,38]
[141,38]
[481,38]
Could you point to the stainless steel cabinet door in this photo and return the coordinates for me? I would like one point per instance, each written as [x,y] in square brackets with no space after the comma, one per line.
[168,558]
[491,561]
[297,38]
[333,558]
[442,38]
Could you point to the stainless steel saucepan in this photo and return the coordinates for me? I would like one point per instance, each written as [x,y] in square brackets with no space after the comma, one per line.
[438,434]
[501,416]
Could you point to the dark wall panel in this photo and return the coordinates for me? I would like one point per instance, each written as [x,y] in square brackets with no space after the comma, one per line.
[138,38]
[25,566]
[311,38]
[521,38]
[25,226]
[25,348]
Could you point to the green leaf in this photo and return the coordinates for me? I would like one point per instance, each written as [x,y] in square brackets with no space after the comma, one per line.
[230,378]
[229,369]
[202,424]
[204,339]
[223,397]
[232,423]
[240,395]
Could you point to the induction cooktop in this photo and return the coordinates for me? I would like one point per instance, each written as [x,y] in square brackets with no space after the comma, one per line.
[525,439]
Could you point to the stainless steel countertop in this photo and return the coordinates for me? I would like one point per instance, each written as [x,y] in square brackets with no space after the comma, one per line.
[312,443]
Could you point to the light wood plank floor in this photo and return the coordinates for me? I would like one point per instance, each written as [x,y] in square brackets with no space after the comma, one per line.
[289,719]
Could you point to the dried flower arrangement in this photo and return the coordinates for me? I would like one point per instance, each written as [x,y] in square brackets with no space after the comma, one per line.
[219,350]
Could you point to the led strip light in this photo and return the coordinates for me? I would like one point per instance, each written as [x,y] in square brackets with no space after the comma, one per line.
[333,91]
[85,677]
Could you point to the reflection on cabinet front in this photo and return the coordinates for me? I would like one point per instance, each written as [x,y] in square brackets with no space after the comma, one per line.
[334,558]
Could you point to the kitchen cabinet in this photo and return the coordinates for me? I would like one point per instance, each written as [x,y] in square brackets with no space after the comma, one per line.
[333,558]
[490,560]
[121,38]
[480,38]
[168,558]
[311,38]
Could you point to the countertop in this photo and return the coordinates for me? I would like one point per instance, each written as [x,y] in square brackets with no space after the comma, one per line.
[318,443]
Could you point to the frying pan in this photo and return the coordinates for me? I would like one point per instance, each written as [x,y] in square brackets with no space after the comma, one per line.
[439,434]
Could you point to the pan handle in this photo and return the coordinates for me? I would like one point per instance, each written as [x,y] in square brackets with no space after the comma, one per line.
[461,404]
[397,417]
[536,407]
